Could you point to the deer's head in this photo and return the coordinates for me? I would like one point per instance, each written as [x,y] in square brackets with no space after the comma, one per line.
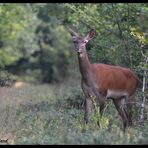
[80,42]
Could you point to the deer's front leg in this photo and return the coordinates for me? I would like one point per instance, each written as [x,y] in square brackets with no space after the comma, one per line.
[88,93]
[102,105]
[88,109]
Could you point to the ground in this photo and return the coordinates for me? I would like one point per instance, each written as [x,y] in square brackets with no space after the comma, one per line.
[53,114]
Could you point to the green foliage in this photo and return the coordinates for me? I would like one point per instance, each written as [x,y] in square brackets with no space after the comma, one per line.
[13,20]
[113,43]
[29,41]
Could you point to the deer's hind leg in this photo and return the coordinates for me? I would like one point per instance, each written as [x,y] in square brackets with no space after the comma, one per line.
[129,110]
[119,104]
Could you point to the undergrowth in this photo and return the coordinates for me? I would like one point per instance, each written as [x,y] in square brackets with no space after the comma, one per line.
[53,114]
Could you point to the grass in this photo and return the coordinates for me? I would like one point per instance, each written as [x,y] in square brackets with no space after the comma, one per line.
[53,114]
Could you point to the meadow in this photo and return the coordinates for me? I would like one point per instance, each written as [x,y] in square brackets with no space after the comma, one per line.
[53,114]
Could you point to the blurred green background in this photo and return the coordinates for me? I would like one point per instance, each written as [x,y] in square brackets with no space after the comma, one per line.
[35,45]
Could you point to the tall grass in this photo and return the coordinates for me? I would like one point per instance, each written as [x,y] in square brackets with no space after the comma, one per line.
[53,114]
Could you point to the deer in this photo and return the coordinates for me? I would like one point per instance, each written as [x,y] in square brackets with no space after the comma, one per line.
[104,81]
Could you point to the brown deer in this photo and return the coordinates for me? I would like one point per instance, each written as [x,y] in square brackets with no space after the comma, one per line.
[104,81]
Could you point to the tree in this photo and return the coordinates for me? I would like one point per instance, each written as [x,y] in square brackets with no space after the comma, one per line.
[13,20]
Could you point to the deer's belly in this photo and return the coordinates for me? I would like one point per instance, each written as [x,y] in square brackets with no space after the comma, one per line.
[116,94]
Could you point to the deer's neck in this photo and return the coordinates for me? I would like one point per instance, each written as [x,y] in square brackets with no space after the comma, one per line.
[85,66]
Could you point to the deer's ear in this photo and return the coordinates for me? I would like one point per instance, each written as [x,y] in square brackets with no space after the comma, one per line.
[91,34]
[73,34]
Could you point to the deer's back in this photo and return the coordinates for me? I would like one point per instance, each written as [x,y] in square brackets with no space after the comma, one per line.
[114,78]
